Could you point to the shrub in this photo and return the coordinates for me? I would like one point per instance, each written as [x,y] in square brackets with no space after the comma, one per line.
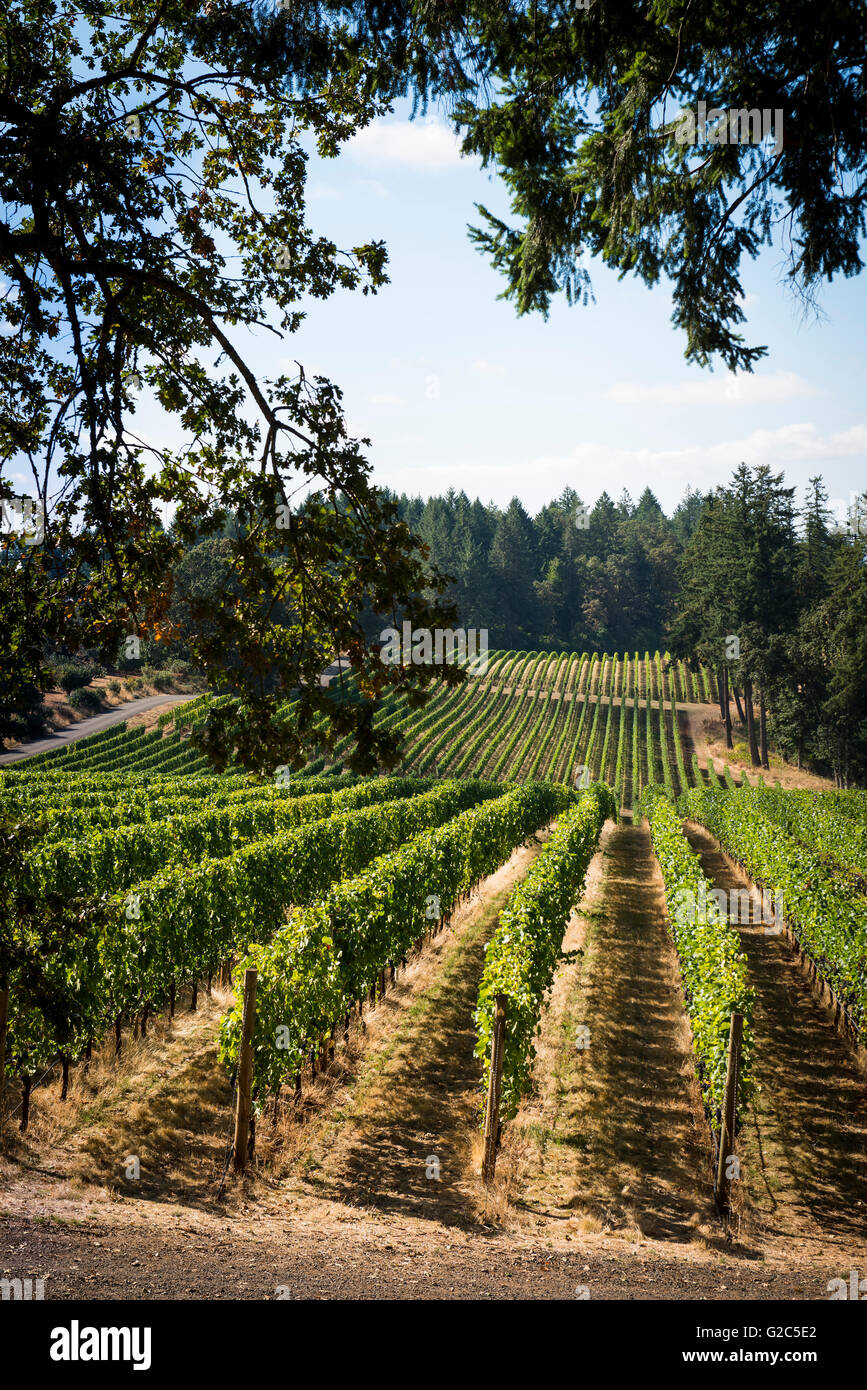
[73,675]
[114,686]
[30,724]
[84,697]
[160,680]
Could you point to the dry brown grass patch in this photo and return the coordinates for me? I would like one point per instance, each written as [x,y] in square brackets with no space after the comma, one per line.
[146,1102]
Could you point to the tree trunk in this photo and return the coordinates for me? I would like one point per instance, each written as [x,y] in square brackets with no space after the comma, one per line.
[64,1062]
[751,723]
[722,685]
[763,731]
[728,709]
[737,702]
[26,1086]
[4,1014]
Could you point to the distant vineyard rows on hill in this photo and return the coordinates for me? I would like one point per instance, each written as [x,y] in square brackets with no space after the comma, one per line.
[531,715]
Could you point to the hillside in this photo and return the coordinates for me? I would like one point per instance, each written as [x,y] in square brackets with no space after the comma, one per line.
[382,916]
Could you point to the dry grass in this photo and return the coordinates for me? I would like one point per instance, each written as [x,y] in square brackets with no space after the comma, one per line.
[497,1204]
[149,718]
[707,733]
[165,1100]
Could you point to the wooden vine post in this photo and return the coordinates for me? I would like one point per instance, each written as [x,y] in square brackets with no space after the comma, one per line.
[4,1015]
[495,1083]
[245,1074]
[729,1112]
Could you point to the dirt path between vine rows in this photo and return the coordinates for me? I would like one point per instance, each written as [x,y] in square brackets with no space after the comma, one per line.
[615,1136]
[403,1136]
[344,1204]
[803,1147]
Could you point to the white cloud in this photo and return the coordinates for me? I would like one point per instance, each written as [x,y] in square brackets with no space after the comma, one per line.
[373,186]
[707,464]
[801,443]
[426,144]
[386,398]
[739,388]
[488,368]
[594,466]
[318,192]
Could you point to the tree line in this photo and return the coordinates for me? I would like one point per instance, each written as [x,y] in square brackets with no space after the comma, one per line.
[775,596]
[770,592]
[572,577]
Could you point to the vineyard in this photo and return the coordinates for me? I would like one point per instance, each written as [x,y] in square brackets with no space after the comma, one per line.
[433,686]
[614,717]
[143,881]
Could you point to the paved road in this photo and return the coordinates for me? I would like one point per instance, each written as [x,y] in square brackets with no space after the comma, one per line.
[330,672]
[91,726]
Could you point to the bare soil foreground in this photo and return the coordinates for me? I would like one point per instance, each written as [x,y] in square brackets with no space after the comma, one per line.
[370,1188]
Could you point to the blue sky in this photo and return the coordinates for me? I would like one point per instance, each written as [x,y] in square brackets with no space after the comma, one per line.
[454,389]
